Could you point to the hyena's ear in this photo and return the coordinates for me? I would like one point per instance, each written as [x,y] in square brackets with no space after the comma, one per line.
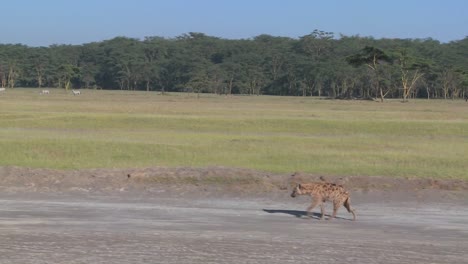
[299,186]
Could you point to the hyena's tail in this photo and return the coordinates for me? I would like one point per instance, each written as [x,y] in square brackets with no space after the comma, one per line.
[347,204]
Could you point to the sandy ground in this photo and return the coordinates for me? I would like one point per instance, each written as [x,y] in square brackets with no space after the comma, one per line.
[199,224]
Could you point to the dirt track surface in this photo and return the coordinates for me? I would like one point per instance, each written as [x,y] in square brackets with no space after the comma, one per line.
[38,228]
[188,215]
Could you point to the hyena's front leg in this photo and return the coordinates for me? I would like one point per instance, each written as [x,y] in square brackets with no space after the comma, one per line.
[315,202]
[322,210]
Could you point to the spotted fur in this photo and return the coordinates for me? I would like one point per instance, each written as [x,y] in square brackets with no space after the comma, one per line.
[322,192]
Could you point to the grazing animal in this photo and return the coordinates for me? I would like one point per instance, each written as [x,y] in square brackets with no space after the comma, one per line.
[322,192]
[76,92]
[45,92]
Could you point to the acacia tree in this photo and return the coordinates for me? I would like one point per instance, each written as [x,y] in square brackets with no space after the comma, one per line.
[231,65]
[317,44]
[317,48]
[411,69]
[155,55]
[67,73]
[373,58]
[463,83]
[89,64]
[231,71]
[448,78]
[13,73]
[123,60]
[12,60]
[35,66]
[252,68]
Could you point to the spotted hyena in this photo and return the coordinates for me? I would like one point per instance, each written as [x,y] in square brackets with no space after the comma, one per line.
[322,192]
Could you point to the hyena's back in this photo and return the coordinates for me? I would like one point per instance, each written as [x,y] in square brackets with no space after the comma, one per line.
[328,191]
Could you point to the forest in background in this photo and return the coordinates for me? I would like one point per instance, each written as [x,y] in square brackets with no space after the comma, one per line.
[317,64]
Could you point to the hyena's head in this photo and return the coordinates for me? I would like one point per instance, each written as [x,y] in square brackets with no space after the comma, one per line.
[297,190]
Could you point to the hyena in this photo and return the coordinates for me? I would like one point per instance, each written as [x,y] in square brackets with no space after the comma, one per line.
[322,192]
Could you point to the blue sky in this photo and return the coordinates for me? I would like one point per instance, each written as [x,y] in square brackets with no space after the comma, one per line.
[46,22]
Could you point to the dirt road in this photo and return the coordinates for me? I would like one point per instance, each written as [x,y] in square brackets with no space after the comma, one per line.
[57,228]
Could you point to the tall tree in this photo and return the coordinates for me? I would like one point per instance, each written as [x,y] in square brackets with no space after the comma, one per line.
[68,73]
[155,55]
[412,69]
[12,59]
[372,57]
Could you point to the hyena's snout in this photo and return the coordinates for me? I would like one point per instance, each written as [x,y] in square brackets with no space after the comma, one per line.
[293,195]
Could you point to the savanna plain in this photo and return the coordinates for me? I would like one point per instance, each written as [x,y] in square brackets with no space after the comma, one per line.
[141,177]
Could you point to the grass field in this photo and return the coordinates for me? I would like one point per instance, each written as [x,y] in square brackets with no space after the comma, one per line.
[121,129]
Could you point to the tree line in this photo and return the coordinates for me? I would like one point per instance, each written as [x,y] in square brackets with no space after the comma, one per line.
[317,64]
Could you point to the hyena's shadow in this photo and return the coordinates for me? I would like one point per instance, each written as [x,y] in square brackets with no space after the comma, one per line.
[298,214]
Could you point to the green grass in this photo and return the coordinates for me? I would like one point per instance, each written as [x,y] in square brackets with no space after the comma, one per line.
[120,129]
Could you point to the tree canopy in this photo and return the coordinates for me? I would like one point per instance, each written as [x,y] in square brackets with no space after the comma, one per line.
[317,64]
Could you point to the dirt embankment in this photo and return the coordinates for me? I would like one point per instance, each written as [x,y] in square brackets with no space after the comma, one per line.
[209,180]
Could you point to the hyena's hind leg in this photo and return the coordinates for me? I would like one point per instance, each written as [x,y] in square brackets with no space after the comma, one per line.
[347,205]
[336,205]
